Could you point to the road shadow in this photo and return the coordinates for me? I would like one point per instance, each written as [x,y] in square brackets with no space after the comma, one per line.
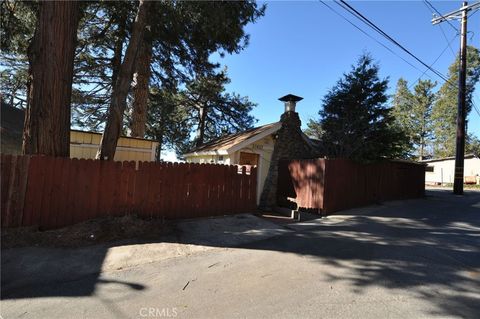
[429,247]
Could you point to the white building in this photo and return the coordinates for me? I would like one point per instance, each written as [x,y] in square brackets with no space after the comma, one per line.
[442,170]
[252,147]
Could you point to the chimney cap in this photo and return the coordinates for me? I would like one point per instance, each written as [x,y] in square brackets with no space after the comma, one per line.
[290,98]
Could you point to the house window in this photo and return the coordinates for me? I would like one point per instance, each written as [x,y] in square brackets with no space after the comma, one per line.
[220,158]
[429,168]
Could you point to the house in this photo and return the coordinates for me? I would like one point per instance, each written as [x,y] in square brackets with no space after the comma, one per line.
[442,170]
[256,146]
[82,144]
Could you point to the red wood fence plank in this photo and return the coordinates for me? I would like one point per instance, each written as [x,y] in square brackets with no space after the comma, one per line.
[176,198]
[11,191]
[5,185]
[235,190]
[34,191]
[224,190]
[152,190]
[116,189]
[141,188]
[212,189]
[63,196]
[17,196]
[130,176]
[81,191]
[57,196]
[108,188]
[94,167]
[45,210]
[72,184]
[168,188]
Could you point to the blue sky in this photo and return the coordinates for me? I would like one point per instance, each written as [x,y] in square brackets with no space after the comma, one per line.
[303,48]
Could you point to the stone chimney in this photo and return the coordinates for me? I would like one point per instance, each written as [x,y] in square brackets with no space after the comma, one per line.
[289,144]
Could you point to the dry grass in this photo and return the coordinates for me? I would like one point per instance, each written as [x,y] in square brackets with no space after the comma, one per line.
[91,232]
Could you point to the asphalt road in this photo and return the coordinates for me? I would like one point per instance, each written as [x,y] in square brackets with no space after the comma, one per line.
[408,259]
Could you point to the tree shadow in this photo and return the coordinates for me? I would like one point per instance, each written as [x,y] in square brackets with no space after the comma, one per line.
[40,272]
[429,248]
[426,247]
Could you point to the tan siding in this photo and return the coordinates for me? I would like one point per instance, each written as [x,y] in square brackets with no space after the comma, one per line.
[85,145]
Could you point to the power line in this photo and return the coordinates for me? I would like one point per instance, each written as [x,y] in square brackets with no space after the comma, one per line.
[365,20]
[472,13]
[442,16]
[475,107]
[430,7]
[368,35]
[445,49]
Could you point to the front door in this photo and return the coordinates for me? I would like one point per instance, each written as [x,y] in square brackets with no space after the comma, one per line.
[248,159]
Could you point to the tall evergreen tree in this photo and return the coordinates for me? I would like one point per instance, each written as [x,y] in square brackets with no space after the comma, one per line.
[215,111]
[401,111]
[421,117]
[355,119]
[444,113]
[412,113]
[402,106]
[169,121]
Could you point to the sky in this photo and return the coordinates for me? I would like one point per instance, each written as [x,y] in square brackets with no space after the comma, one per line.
[303,48]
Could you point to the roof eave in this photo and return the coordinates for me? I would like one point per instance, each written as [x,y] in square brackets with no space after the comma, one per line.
[206,153]
[255,138]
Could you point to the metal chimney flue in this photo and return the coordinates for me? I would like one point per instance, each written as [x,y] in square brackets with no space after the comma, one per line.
[290,101]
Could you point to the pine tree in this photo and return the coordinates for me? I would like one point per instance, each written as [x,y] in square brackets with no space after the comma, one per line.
[216,112]
[355,119]
[421,117]
[202,109]
[17,25]
[169,121]
[444,113]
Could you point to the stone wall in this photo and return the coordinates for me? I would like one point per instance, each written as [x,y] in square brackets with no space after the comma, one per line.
[290,144]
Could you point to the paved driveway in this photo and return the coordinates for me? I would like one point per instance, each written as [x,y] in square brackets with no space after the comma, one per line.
[409,259]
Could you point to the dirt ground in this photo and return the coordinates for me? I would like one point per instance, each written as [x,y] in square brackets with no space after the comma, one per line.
[87,233]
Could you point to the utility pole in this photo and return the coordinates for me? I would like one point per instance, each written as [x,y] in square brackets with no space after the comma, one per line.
[462,77]
[462,82]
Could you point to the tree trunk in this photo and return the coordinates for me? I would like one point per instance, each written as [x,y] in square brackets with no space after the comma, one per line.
[422,146]
[140,92]
[118,49]
[51,53]
[118,101]
[202,116]
[158,151]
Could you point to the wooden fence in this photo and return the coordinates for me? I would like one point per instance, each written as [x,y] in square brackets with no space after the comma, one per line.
[331,185]
[52,192]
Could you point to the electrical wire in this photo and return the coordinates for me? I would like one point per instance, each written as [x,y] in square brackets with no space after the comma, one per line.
[445,49]
[369,23]
[430,7]
[475,11]
[441,16]
[475,107]
[368,35]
